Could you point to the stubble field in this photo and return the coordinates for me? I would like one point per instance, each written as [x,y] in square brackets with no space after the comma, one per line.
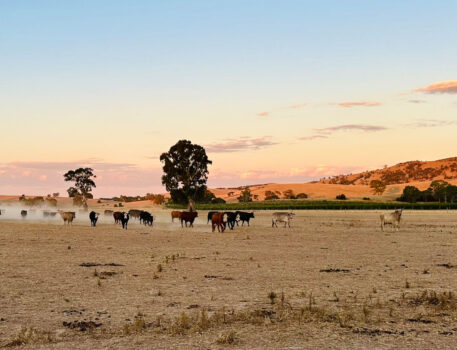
[332,281]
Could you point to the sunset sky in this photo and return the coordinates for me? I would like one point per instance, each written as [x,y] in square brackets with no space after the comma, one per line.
[276,91]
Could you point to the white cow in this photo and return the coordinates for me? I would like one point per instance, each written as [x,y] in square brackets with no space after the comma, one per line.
[281,217]
[391,219]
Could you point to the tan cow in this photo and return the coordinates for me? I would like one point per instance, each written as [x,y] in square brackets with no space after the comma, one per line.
[68,217]
[175,215]
[391,219]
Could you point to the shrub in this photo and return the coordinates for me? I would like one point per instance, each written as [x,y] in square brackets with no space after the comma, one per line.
[245,195]
[270,195]
[302,196]
[217,200]
[341,197]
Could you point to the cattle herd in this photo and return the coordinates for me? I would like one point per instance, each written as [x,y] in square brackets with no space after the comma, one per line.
[219,220]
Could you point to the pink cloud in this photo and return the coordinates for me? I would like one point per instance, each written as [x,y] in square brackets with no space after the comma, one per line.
[47,177]
[359,104]
[441,87]
[263,114]
[219,178]
[298,106]
[240,144]
[324,133]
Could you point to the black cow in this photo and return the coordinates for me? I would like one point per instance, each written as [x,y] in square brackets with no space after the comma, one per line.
[210,215]
[231,219]
[125,219]
[244,216]
[93,216]
[146,218]
[23,213]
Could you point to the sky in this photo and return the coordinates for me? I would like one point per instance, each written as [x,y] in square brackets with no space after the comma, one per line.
[276,91]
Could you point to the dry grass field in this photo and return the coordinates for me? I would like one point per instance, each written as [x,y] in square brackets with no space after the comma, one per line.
[331,281]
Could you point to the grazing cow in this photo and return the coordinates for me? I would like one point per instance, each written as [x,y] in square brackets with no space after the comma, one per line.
[244,216]
[108,212]
[125,220]
[68,217]
[188,216]
[45,213]
[232,219]
[146,218]
[135,213]
[23,213]
[175,215]
[210,215]
[281,217]
[391,219]
[93,216]
[219,220]
[117,217]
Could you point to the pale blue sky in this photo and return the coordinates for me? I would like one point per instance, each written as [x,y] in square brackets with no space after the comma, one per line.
[118,82]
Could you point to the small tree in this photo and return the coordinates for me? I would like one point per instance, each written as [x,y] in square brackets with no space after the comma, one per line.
[378,187]
[341,197]
[82,177]
[302,196]
[245,195]
[289,194]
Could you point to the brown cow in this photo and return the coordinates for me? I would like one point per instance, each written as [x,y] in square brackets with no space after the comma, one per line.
[68,217]
[188,216]
[219,220]
[117,215]
[175,215]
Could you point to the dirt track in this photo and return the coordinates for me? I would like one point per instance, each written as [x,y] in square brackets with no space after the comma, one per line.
[339,282]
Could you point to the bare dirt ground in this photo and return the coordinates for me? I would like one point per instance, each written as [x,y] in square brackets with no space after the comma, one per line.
[331,281]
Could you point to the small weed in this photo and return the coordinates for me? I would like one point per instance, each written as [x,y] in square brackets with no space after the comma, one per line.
[407,285]
[229,337]
[272,296]
[30,336]
[159,268]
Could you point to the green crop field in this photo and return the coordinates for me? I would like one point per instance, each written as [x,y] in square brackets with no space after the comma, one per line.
[319,205]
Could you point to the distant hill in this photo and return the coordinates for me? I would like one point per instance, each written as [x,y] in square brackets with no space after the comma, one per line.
[402,173]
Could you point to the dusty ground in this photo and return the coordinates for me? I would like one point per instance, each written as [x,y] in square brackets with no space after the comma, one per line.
[193,289]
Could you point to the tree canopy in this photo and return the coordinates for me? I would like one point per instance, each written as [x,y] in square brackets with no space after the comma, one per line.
[82,177]
[185,168]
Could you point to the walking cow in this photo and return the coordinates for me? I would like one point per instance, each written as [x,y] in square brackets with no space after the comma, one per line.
[93,216]
[188,216]
[219,220]
[391,219]
[281,217]
[244,216]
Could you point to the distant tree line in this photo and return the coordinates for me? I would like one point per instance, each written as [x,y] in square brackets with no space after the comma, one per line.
[439,191]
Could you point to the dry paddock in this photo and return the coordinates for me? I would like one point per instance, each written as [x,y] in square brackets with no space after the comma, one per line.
[338,283]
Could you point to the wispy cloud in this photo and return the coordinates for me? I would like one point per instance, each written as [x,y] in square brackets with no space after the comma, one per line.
[350,127]
[441,87]
[298,106]
[323,133]
[416,101]
[240,144]
[313,137]
[430,123]
[359,104]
